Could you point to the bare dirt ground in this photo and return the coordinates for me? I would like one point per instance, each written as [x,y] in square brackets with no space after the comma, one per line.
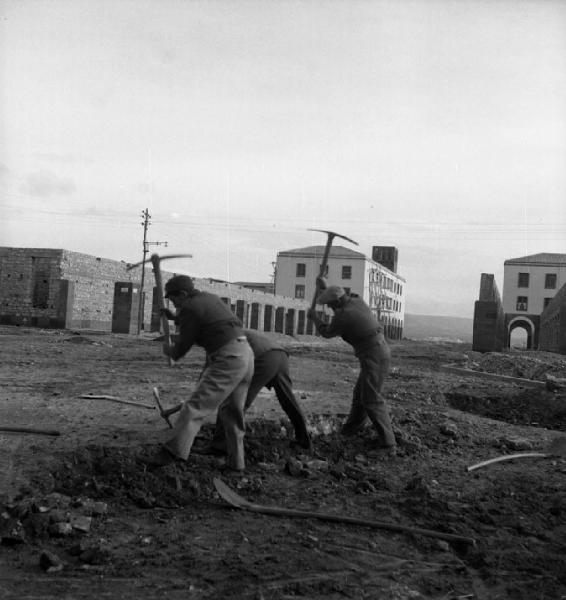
[82,518]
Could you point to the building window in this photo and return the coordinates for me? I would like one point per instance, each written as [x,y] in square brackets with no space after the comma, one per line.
[522,303]
[301,269]
[550,281]
[299,291]
[346,272]
[547,302]
[523,280]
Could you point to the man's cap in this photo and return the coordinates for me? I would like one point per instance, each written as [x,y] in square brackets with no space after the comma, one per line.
[331,294]
[179,283]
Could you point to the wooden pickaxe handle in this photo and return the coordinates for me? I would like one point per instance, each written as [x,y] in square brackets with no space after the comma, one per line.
[158,402]
[53,432]
[115,399]
[331,235]
[155,261]
[323,265]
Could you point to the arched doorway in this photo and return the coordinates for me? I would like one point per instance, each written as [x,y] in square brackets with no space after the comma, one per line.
[521,334]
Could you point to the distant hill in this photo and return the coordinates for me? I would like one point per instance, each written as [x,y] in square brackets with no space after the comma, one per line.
[419,327]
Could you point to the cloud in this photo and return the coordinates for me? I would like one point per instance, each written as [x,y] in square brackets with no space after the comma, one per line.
[45,184]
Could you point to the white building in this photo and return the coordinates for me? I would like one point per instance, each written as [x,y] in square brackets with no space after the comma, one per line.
[380,287]
[529,284]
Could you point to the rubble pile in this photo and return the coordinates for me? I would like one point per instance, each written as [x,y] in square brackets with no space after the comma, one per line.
[521,365]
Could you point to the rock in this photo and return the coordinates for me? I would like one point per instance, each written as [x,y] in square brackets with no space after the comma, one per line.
[58,516]
[555,383]
[61,529]
[50,562]
[518,443]
[318,465]
[95,555]
[449,429]
[81,523]
[11,531]
[295,468]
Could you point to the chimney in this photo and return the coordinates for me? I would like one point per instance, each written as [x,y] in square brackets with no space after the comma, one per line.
[386,256]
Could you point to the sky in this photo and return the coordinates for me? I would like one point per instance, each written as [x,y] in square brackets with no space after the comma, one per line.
[436,126]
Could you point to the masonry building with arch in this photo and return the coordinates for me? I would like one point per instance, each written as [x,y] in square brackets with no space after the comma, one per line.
[533,300]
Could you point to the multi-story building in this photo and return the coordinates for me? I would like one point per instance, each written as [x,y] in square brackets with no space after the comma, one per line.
[529,284]
[373,279]
[534,300]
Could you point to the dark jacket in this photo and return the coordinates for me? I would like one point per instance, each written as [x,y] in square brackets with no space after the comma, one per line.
[355,323]
[204,320]
[261,343]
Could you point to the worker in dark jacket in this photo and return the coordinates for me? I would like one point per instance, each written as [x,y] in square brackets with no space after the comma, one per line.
[355,323]
[271,370]
[205,320]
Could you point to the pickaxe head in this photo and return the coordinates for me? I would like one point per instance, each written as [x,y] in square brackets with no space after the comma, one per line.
[156,259]
[333,234]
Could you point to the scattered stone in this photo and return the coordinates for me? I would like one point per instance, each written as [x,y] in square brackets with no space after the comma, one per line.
[50,562]
[61,529]
[517,443]
[295,468]
[555,383]
[449,429]
[442,545]
[80,523]
[58,516]
[97,554]
[365,487]
[11,531]
[317,465]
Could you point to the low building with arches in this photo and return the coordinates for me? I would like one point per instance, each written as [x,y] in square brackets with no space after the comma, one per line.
[60,289]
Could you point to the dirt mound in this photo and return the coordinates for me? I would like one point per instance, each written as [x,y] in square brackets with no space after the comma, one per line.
[534,366]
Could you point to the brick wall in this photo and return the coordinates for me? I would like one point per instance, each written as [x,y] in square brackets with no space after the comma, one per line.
[29,286]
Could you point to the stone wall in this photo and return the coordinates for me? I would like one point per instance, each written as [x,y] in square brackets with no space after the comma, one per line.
[69,290]
[552,337]
[489,318]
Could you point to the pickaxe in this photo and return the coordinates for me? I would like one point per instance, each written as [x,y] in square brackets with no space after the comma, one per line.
[331,235]
[155,260]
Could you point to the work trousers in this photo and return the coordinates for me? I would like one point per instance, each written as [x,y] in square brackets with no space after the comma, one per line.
[271,370]
[368,401]
[223,383]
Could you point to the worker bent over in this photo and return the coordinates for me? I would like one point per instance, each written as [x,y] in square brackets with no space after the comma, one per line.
[355,323]
[205,320]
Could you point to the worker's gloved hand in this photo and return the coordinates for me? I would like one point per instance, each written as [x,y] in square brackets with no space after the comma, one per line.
[167,313]
[321,283]
[311,314]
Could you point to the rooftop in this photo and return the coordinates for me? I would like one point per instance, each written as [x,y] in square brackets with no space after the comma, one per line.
[543,258]
[335,252]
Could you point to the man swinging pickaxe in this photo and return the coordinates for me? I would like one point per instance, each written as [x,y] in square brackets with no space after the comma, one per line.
[155,260]
[331,235]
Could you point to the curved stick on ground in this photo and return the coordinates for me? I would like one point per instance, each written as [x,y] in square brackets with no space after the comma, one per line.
[556,448]
[237,501]
[492,461]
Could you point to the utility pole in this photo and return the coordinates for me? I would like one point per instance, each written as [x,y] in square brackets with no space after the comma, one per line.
[145,224]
